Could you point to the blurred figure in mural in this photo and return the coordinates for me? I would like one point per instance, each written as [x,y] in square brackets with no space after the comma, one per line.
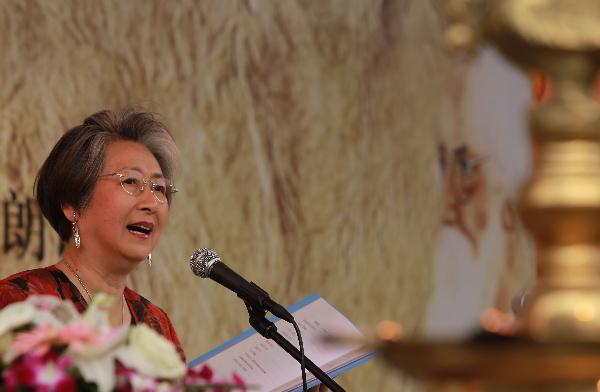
[106,188]
[483,156]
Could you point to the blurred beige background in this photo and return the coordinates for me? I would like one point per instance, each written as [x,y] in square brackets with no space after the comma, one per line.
[309,135]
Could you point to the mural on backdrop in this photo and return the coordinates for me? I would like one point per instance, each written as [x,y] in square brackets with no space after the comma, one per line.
[484,156]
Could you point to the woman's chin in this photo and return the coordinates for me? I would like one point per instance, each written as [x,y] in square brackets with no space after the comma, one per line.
[134,259]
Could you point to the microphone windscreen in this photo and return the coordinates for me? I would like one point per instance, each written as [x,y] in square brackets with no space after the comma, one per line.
[201,261]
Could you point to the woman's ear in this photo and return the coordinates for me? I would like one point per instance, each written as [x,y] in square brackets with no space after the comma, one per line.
[69,212]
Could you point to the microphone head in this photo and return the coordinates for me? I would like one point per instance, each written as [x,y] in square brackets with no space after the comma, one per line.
[202,260]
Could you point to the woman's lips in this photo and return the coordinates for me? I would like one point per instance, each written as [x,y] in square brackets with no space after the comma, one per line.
[139,235]
[140,229]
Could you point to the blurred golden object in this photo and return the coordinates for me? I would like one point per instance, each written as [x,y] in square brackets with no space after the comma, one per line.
[561,202]
[499,361]
[556,24]
[389,330]
[501,323]
[559,344]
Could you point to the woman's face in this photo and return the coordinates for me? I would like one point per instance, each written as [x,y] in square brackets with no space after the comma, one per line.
[116,225]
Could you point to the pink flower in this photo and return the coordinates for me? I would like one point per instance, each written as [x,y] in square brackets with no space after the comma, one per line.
[43,373]
[204,374]
[237,380]
[197,375]
[79,336]
[128,380]
[37,341]
[122,378]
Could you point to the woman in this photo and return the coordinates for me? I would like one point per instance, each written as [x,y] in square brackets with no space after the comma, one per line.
[106,188]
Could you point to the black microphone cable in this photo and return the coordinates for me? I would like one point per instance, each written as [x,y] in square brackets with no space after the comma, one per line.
[302,364]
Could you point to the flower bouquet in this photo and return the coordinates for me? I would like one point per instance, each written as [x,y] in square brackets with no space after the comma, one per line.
[46,345]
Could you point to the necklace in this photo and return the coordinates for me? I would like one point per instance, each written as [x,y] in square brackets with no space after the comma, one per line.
[79,279]
[90,295]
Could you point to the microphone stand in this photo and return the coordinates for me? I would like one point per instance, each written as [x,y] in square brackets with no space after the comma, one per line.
[266,328]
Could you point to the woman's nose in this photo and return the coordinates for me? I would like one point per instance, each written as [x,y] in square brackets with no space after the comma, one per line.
[147,197]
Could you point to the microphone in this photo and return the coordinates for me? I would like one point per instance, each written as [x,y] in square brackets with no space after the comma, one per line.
[206,263]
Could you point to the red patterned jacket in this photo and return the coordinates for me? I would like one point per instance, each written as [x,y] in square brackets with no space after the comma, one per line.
[52,281]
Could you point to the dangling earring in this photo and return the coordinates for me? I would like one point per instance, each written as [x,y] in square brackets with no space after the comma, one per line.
[76,236]
[149,259]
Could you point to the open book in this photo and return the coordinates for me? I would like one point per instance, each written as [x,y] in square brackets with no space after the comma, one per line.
[262,363]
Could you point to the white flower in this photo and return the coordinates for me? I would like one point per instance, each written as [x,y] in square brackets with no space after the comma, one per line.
[97,362]
[52,310]
[100,370]
[151,354]
[16,315]
[94,343]
[97,313]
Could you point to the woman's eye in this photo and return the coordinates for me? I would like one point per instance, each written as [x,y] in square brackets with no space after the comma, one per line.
[159,188]
[131,181]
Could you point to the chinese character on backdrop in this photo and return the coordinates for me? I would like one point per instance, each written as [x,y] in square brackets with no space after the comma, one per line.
[23,227]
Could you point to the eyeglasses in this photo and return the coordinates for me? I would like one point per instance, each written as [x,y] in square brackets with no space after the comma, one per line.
[133,183]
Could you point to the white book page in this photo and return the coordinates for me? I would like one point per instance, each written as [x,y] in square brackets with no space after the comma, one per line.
[262,363]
